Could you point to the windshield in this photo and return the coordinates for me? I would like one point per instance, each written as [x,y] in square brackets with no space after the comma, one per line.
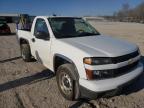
[66,27]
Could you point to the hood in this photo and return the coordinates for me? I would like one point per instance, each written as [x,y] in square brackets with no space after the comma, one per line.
[100,45]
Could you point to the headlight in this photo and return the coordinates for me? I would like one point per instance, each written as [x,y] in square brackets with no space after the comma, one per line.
[97,60]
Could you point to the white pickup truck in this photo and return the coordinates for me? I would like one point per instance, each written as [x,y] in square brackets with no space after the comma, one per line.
[85,62]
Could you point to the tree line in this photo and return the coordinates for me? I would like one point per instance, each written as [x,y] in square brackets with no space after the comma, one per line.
[130,14]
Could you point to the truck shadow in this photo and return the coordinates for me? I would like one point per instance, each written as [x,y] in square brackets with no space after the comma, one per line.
[45,74]
[15,58]
[81,102]
[10,59]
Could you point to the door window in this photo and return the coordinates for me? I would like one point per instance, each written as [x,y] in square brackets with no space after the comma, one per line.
[40,26]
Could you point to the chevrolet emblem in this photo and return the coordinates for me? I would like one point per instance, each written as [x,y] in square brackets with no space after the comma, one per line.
[130,61]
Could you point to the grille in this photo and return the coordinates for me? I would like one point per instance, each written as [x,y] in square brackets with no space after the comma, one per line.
[124,70]
[124,57]
[112,73]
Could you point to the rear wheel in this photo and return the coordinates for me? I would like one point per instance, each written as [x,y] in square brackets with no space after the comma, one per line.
[67,82]
[25,52]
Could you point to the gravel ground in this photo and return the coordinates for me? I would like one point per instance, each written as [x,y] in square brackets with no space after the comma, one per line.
[38,84]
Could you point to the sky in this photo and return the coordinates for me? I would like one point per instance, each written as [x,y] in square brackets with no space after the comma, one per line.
[65,7]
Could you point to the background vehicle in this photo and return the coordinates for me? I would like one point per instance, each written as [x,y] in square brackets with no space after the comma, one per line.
[4,28]
[85,62]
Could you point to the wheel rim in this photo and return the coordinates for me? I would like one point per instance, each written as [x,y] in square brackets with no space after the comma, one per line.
[65,83]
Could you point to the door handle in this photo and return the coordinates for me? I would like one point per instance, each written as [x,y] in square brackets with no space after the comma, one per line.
[33,39]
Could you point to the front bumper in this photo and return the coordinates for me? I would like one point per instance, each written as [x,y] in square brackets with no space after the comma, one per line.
[98,86]
[86,93]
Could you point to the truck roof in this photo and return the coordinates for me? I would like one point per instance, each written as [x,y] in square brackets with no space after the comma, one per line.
[57,17]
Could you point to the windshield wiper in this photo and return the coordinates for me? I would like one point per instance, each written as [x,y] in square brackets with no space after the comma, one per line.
[66,36]
[88,34]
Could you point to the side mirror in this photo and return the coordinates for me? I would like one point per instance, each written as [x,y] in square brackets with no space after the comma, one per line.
[42,35]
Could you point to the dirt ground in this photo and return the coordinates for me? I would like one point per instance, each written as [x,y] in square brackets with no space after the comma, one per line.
[31,85]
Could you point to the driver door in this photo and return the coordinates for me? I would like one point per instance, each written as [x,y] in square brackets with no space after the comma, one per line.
[41,44]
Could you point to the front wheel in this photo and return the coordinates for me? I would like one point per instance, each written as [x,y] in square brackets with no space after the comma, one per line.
[67,83]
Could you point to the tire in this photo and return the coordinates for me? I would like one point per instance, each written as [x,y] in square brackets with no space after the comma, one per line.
[25,52]
[67,82]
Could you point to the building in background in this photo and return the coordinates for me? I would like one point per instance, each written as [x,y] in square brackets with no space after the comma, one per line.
[10,18]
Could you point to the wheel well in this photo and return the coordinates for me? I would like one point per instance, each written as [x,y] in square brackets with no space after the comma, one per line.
[23,41]
[59,61]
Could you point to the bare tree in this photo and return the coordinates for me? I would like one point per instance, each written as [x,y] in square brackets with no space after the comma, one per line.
[140,10]
[124,11]
[136,13]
